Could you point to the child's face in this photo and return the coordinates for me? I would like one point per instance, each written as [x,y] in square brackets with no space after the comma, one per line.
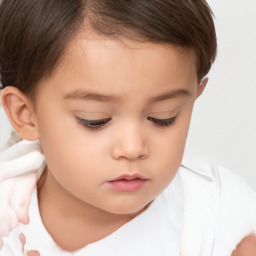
[115,109]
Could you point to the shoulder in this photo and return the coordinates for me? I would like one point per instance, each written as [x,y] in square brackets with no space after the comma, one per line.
[224,198]
[233,190]
[225,180]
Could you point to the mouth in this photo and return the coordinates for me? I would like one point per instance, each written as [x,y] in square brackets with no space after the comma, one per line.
[127,183]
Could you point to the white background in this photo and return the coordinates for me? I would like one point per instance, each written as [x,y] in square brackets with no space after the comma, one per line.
[223,126]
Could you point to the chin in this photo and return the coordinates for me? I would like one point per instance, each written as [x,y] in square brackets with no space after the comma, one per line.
[129,209]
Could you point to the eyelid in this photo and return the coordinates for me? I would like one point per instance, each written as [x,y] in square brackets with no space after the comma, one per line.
[91,115]
[163,114]
[93,124]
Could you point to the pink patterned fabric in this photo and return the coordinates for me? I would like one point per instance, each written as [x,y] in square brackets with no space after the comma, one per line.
[17,184]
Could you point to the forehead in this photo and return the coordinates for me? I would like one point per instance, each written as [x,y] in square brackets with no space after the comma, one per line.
[122,64]
[97,49]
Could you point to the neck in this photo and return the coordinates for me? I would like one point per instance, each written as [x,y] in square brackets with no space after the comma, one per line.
[84,223]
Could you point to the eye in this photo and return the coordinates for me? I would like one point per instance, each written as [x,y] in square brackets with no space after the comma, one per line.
[93,124]
[163,122]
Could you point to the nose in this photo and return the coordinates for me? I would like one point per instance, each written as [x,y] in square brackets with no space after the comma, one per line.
[130,145]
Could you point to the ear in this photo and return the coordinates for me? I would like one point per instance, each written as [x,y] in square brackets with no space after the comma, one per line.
[201,86]
[20,112]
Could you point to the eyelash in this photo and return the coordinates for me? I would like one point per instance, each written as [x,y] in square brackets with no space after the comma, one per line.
[163,122]
[93,124]
[99,124]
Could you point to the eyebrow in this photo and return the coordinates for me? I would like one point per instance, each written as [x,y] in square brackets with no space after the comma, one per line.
[88,95]
[170,95]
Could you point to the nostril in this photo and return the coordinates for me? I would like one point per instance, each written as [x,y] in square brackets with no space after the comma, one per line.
[142,156]
[130,148]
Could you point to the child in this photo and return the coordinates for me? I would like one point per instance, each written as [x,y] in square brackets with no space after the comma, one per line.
[102,94]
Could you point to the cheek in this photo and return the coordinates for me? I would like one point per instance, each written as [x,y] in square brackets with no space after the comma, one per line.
[169,147]
[67,148]
[173,138]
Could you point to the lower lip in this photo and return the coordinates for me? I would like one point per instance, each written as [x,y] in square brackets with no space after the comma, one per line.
[126,185]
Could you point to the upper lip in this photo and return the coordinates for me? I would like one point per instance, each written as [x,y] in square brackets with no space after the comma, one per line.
[129,177]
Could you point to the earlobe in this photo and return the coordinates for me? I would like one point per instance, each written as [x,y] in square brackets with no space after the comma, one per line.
[20,113]
[202,86]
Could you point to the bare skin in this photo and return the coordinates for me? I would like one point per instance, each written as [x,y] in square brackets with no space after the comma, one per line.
[247,247]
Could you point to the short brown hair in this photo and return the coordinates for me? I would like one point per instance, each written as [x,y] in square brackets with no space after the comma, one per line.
[34,33]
